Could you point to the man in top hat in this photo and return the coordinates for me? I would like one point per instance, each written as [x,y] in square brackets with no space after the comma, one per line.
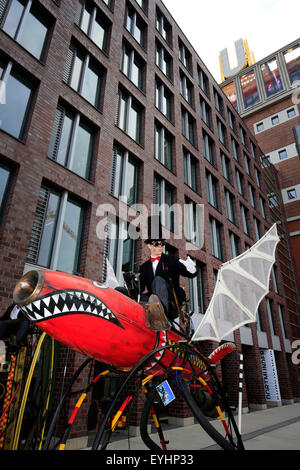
[160,275]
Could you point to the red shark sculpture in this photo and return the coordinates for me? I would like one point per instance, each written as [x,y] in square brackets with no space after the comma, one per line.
[97,321]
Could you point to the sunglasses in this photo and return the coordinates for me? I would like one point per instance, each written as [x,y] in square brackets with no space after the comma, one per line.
[158,243]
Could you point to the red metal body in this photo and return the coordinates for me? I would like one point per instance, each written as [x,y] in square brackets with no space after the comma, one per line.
[97,321]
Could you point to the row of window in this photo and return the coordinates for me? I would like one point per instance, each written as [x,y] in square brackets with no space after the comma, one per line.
[275,120]
[165,193]
[86,76]
[57,235]
[30,25]
[270,74]
[58,246]
[72,139]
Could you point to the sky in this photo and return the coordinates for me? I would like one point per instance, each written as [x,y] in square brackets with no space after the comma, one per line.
[213,25]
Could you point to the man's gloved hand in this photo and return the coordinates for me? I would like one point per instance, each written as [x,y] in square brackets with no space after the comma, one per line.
[189,264]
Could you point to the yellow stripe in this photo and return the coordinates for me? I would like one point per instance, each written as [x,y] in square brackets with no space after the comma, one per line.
[155,420]
[79,403]
[220,413]
[62,446]
[105,372]
[116,419]
[146,379]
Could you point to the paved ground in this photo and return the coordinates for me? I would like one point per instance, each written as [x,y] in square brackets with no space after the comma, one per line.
[276,428]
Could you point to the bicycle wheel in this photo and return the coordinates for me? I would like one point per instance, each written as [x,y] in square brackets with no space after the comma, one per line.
[150,403]
[150,406]
[204,422]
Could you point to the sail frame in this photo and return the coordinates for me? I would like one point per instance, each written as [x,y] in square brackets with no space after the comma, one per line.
[210,327]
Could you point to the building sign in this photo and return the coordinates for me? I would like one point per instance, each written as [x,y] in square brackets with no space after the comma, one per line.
[270,377]
[244,59]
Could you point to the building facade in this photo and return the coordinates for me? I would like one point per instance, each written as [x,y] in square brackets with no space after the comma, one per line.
[107,105]
[266,95]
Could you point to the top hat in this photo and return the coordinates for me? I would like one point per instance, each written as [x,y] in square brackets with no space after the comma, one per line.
[154,229]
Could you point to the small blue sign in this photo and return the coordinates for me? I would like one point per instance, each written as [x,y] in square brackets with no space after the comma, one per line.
[165,392]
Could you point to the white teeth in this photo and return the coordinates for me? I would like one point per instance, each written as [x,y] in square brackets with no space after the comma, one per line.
[46,300]
[65,309]
[65,302]
[56,311]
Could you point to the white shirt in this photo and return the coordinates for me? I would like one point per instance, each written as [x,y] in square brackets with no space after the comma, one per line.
[154,265]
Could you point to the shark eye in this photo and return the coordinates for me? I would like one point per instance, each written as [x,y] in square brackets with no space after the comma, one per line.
[28,287]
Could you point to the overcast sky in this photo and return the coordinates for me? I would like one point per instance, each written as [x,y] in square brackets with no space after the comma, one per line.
[213,25]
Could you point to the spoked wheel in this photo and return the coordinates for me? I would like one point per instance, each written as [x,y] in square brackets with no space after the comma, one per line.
[206,401]
[185,377]
[150,408]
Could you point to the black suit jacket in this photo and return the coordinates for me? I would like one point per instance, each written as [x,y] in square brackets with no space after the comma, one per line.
[169,267]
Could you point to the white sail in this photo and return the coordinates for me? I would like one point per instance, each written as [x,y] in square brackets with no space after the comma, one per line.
[241,285]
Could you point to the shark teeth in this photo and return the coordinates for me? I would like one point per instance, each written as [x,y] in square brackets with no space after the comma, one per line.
[66,302]
[158,356]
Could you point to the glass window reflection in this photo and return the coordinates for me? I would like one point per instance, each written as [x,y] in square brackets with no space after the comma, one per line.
[83,150]
[230,92]
[292,60]
[33,35]
[4,178]
[271,77]
[249,89]
[13,17]
[14,112]
[48,233]
[28,28]
[71,237]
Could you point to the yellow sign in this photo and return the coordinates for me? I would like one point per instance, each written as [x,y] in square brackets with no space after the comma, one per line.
[244,59]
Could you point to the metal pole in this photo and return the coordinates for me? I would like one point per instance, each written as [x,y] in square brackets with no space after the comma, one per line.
[240,392]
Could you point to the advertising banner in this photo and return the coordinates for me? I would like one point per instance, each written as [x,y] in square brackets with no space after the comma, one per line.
[270,376]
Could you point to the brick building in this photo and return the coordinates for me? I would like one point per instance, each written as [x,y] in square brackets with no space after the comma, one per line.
[107,102]
[266,94]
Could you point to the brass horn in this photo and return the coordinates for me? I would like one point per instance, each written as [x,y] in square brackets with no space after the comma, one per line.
[28,287]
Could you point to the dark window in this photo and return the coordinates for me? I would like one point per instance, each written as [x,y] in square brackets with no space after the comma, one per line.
[185,56]
[164,27]
[56,232]
[29,27]
[129,116]
[203,81]
[188,126]
[133,66]
[190,165]
[84,74]
[5,174]
[163,99]
[14,111]
[125,175]
[94,23]
[163,148]
[136,26]
[72,142]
